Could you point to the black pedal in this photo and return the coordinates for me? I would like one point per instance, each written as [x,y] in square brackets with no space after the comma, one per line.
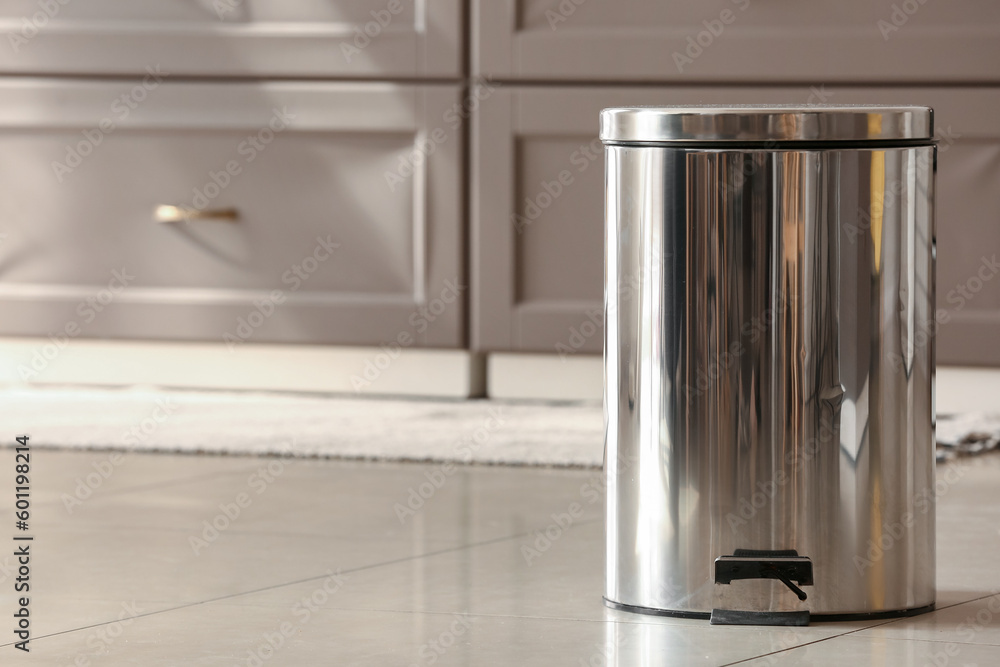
[786,565]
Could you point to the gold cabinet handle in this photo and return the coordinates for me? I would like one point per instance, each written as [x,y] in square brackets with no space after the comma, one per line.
[168,213]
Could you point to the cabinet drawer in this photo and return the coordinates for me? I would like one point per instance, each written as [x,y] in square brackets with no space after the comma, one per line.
[326,209]
[293,38]
[737,40]
[538,207]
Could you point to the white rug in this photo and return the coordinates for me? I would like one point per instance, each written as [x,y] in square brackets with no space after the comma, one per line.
[967,435]
[154,419]
[478,431]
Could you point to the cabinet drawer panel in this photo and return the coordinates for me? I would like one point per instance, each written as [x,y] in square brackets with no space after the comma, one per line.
[538,207]
[737,40]
[335,38]
[279,187]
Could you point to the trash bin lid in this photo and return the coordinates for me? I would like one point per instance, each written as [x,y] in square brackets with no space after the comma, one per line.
[767,123]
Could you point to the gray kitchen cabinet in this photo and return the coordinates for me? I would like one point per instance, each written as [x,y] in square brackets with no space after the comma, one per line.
[537,210]
[260,38]
[737,41]
[305,212]
[211,72]
[537,263]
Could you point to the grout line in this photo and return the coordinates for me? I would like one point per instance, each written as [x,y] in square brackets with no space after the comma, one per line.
[489,615]
[870,627]
[939,641]
[669,622]
[815,641]
[784,650]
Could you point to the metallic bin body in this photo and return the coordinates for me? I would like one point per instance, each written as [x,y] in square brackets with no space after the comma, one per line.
[769,356]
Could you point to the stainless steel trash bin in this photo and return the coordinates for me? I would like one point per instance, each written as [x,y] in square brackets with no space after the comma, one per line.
[769,361]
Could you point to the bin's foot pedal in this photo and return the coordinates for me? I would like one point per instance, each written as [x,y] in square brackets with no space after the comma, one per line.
[735,617]
[787,566]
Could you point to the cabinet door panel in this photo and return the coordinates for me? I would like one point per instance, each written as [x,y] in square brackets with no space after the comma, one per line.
[333,38]
[737,40]
[294,189]
[538,209]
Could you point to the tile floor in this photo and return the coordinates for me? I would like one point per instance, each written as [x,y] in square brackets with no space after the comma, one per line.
[318,568]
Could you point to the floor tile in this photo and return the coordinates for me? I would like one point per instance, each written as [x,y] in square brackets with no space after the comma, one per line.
[519,577]
[514,556]
[227,635]
[968,525]
[185,532]
[881,652]
[975,622]
[71,479]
